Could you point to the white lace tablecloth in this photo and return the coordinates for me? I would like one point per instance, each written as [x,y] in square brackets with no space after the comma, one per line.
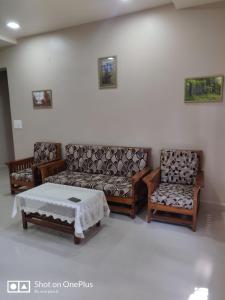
[52,200]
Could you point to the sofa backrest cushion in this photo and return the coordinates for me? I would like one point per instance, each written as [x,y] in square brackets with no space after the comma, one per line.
[44,152]
[179,166]
[118,161]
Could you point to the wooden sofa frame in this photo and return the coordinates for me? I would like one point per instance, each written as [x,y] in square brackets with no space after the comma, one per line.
[153,180]
[124,205]
[21,164]
[50,222]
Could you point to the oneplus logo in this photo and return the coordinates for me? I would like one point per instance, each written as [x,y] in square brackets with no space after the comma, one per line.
[18,286]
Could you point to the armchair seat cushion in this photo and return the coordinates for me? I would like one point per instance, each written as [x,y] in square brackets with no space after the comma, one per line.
[23,175]
[111,185]
[176,195]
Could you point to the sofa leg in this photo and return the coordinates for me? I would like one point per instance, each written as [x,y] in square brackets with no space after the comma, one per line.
[12,188]
[194,227]
[133,212]
[149,217]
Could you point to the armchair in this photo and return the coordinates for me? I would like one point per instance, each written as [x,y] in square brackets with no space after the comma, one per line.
[24,173]
[175,187]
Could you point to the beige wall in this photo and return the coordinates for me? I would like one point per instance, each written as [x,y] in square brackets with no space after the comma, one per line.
[156,50]
[6,142]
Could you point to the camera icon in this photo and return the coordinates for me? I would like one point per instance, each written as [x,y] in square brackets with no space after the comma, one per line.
[18,286]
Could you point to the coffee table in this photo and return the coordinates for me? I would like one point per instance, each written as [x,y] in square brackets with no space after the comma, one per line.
[48,205]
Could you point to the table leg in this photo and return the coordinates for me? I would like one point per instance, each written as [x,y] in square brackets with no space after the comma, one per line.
[24,220]
[98,224]
[76,240]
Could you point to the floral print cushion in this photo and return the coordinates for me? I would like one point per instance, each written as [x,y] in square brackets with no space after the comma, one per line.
[179,166]
[44,152]
[111,185]
[176,195]
[116,161]
[23,175]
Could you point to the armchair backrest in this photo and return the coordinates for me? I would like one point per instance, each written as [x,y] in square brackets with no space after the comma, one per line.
[180,166]
[44,152]
[107,160]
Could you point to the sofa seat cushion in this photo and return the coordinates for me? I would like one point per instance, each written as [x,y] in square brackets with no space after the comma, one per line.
[176,195]
[111,185]
[23,175]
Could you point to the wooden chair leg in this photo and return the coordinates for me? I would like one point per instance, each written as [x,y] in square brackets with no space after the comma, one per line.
[77,240]
[24,220]
[12,190]
[11,186]
[194,226]
[149,212]
[198,208]
[194,221]
[195,210]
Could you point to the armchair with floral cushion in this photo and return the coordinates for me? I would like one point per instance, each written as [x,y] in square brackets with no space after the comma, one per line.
[24,173]
[174,188]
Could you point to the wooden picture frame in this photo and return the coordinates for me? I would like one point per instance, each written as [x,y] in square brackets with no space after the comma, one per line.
[204,89]
[42,99]
[107,72]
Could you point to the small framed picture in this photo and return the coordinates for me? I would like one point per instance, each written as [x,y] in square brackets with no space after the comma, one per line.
[204,89]
[107,68]
[42,99]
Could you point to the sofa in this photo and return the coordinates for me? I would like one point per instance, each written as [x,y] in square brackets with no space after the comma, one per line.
[118,171]
[24,173]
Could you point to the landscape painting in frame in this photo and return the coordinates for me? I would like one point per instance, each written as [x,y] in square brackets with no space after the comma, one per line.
[204,89]
[107,67]
[42,99]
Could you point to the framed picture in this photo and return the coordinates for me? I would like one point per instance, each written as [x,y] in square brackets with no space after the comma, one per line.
[107,69]
[204,89]
[42,99]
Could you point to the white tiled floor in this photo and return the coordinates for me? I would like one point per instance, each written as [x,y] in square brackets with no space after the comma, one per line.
[124,259]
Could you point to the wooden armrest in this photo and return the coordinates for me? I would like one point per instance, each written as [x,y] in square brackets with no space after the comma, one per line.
[153,176]
[20,164]
[19,161]
[152,180]
[199,183]
[138,176]
[44,163]
[52,168]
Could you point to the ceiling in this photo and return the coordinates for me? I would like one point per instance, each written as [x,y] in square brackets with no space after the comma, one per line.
[40,16]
